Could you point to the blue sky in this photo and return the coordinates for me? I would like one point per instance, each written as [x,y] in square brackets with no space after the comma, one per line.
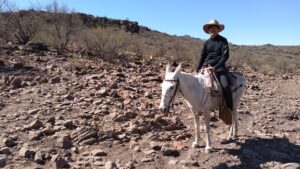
[247,22]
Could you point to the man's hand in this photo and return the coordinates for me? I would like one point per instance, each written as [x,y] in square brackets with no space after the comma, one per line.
[210,68]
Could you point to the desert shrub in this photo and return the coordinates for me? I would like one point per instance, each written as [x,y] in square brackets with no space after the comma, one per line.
[106,43]
[23,25]
[266,58]
[4,35]
[62,25]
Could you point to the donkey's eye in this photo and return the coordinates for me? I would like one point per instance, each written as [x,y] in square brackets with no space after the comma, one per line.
[172,88]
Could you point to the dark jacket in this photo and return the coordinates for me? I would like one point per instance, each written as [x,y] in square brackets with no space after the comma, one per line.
[215,53]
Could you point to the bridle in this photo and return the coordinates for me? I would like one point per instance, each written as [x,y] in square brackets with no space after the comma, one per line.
[175,91]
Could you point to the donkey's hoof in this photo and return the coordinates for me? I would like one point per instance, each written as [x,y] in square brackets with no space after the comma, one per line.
[208,150]
[195,145]
[231,138]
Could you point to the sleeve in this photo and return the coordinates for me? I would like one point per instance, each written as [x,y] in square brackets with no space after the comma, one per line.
[225,55]
[202,58]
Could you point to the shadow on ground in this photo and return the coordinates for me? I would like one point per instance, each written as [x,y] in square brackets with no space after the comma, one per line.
[257,151]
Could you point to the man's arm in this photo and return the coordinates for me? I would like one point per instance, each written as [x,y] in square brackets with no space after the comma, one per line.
[225,55]
[202,58]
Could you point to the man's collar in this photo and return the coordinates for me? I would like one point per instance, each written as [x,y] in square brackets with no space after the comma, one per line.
[214,37]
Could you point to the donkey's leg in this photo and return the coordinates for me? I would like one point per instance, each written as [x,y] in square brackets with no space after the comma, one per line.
[234,126]
[197,136]
[235,122]
[231,130]
[207,131]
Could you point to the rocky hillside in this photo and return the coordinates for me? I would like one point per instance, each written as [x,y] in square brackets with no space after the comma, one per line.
[110,38]
[79,112]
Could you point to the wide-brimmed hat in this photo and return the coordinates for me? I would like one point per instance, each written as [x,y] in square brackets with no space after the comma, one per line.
[213,22]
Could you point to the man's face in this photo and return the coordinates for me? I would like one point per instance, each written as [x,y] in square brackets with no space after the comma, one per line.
[213,30]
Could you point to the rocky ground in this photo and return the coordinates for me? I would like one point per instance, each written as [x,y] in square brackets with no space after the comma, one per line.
[69,112]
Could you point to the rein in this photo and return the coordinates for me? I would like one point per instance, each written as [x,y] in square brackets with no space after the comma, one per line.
[175,91]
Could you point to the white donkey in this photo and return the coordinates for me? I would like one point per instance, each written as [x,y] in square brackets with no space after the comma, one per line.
[198,99]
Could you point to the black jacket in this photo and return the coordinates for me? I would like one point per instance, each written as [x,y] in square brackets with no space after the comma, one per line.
[215,53]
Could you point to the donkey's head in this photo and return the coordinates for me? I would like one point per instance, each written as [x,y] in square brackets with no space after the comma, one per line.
[169,88]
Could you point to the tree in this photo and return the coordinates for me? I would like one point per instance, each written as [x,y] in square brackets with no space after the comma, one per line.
[63,25]
[24,25]
[3,22]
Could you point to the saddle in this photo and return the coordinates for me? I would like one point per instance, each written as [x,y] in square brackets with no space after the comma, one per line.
[213,85]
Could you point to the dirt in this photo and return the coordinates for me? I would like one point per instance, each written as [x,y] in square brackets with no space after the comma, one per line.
[73,112]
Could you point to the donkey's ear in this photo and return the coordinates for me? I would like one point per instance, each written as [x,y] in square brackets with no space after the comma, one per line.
[178,68]
[168,67]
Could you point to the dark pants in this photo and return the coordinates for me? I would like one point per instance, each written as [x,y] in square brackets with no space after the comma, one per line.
[223,77]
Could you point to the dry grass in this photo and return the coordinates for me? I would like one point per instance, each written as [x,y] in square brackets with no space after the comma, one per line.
[267,59]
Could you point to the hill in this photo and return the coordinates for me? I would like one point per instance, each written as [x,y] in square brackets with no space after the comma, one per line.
[110,38]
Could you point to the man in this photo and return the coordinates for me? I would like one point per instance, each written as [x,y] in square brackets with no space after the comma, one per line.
[214,54]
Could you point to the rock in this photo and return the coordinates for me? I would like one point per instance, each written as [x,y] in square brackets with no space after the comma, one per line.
[36,124]
[130,114]
[110,165]
[129,165]
[99,163]
[33,112]
[75,150]
[190,163]
[137,148]
[69,97]
[69,125]
[99,152]
[59,162]
[2,63]
[98,102]
[37,47]
[255,87]
[223,152]
[103,92]
[122,136]
[47,131]
[55,80]
[84,136]
[147,159]
[2,161]
[2,105]
[35,135]
[51,120]
[9,142]
[18,66]
[5,150]
[89,141]
[173,162]
[16,83]
[39,158]
[292,117]
[155,146]
[64,142]
[118,117]
[149,152]
[167,151]
[26,153]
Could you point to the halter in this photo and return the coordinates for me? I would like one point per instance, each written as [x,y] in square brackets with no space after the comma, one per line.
[175,91]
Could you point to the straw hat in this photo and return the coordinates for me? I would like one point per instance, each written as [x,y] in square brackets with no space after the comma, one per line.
[213,22]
